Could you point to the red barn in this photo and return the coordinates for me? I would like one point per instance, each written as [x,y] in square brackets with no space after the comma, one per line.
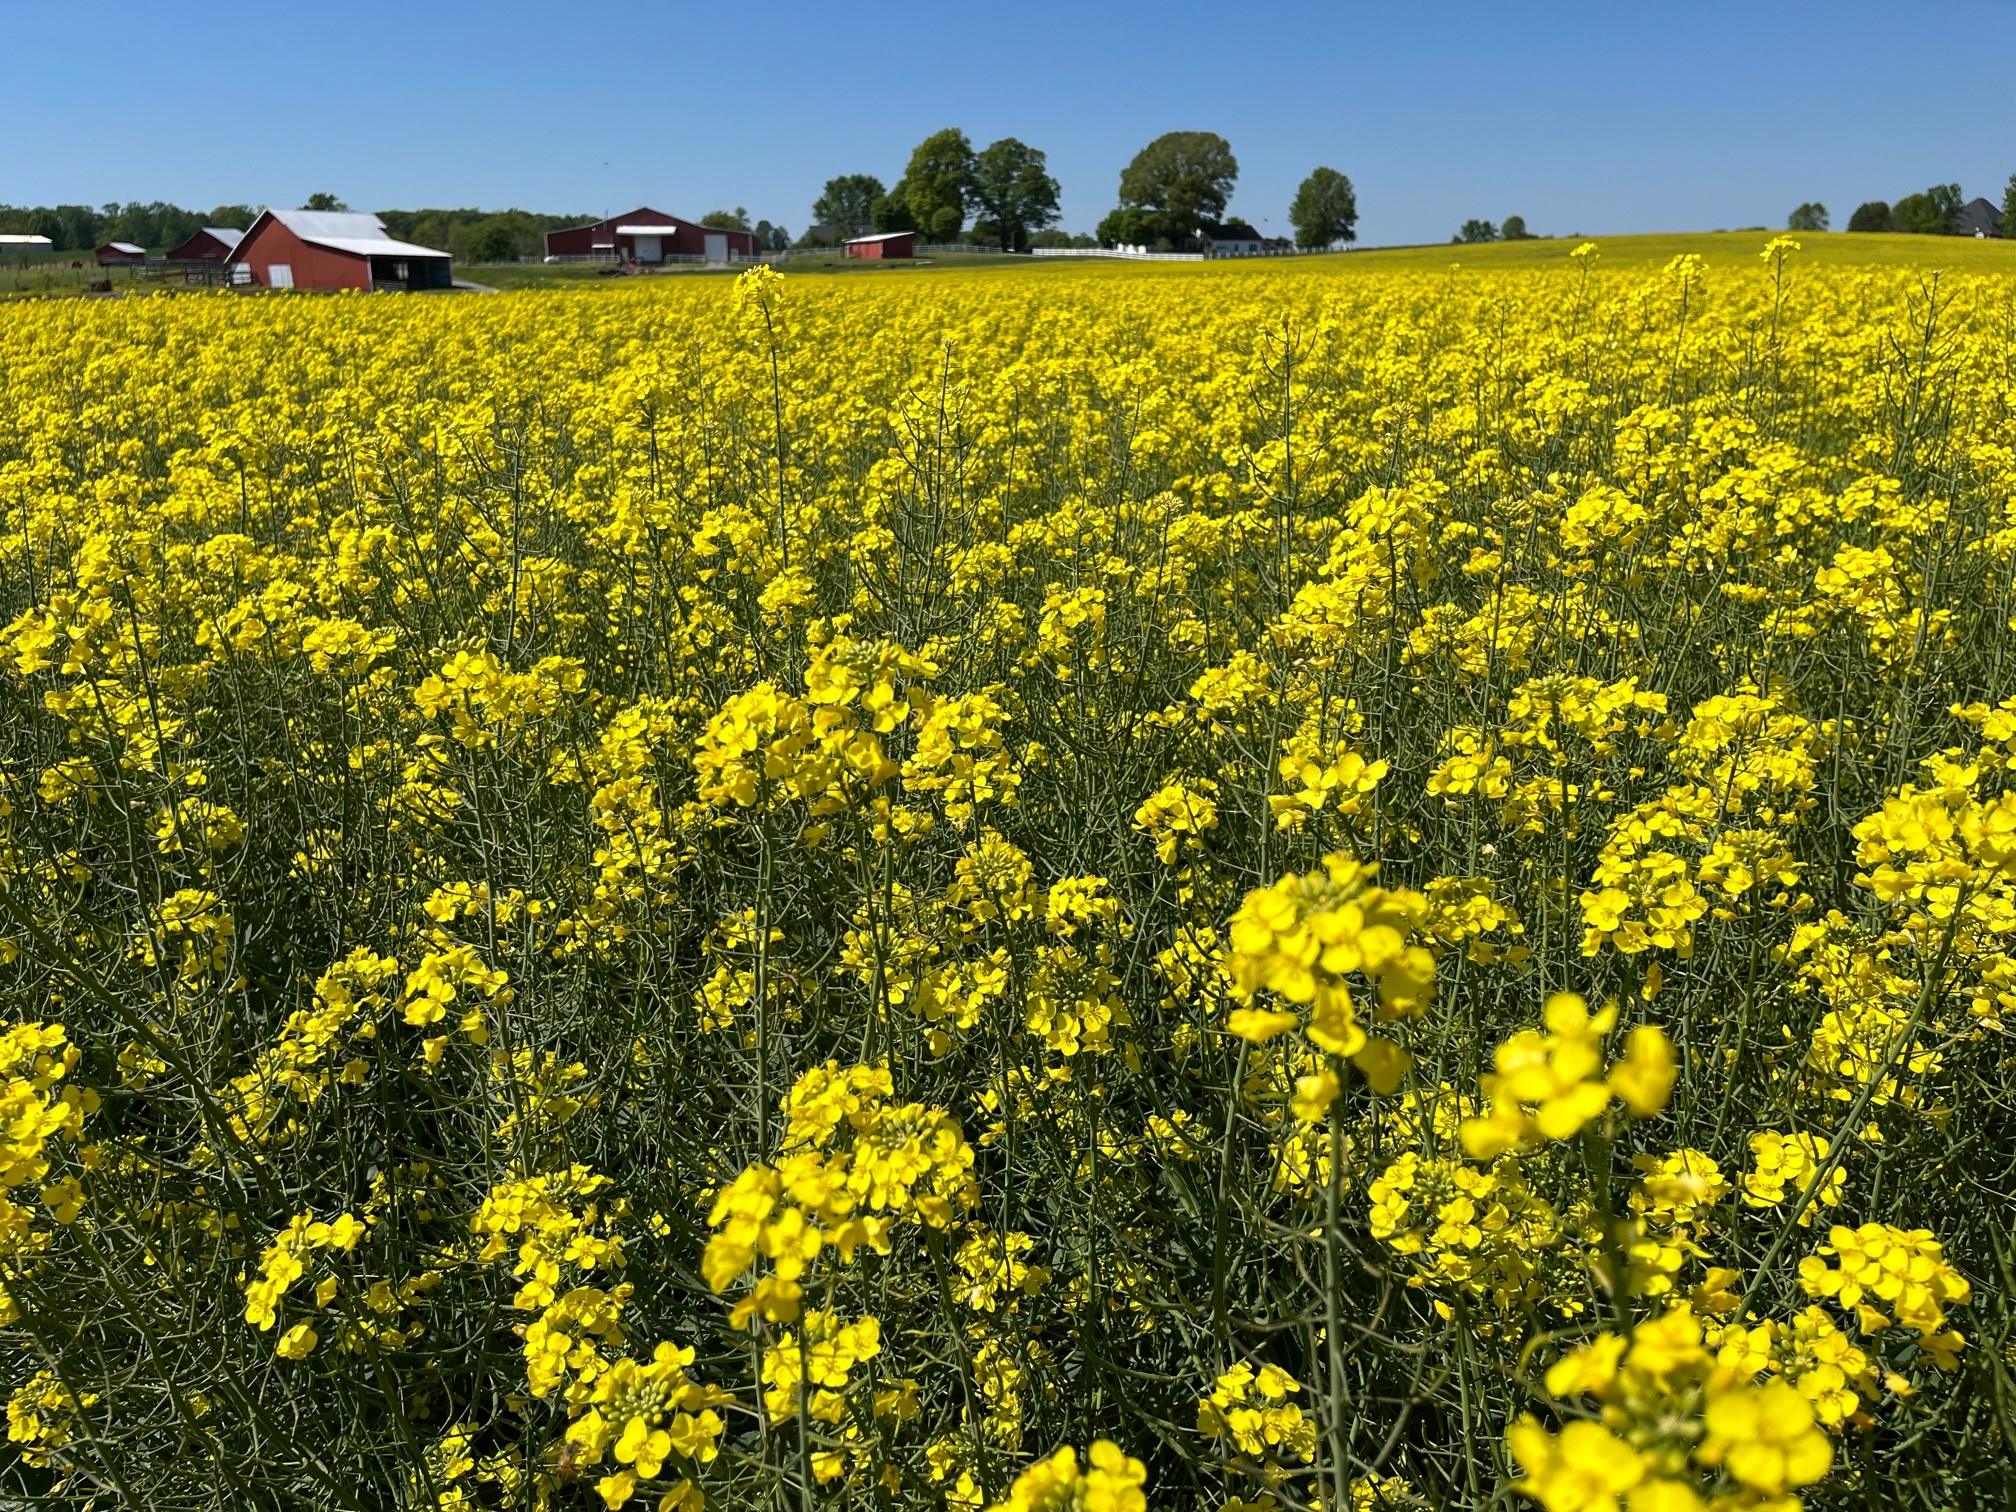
[118,254]
[878,248]
[333,249]
[211,244]
[649,236]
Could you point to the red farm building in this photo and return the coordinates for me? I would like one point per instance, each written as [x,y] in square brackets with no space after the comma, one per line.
[880,248]
[212,244]
[120,254]
[330,249]
[649,236]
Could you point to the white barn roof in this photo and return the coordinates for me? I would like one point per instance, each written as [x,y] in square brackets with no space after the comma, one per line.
[224,234]
[126,247]
[348,231]
[20,239]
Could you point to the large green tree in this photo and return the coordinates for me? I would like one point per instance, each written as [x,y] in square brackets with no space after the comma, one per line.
[1125,226]
[1324,210]
[727,220]
[2009,207]
[1014,192]
[1811,216]
[939,182]
[847,204]
[892,211]
[321,201]
[1870,215]
[1178,182]
[1931,213]
[1476,231]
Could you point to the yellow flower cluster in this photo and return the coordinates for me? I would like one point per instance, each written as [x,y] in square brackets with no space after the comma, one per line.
[853,1166]
[1108,1481]
[1253,1412]
[1675,1430]
[1551,1081]
[1303,940]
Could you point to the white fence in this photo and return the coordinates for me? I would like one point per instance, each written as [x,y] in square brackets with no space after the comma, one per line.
[1131,254]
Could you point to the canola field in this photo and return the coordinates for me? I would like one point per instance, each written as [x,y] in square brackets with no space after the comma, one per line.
[1241,888]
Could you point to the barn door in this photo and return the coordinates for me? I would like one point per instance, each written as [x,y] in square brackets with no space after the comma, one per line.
[280,276]
[717,246]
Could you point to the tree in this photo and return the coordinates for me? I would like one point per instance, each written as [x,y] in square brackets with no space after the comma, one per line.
[939,182]
[1127,226]
[1013,189]
[1514,229]
[1929,214]
[324,202]
[727,220]
[1871,215]
[80,226]
[47,223]
[779,240]
[494,242]
[232,217]
[1177,182]
[1476,231]
[1811,216]
[1324,210]
[2009,207]
[847,205]
[892,210]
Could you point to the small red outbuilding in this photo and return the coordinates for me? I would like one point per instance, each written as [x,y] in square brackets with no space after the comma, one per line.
[333,249]
[116,254]
[650,236]
[880,248]
[210,244]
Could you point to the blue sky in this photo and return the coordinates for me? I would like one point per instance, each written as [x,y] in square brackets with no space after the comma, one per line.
[1594,118]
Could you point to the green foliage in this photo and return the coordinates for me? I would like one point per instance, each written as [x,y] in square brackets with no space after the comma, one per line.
[322,201]
[846,206]
[1872,215]
[1177,182]
[1324,210]
[939,182]
[1931,213]
[1811,216]
[892,210]
[1126,226]
[1012,188]
[1474,231]
[494,243]
[727,220]
[1514,229]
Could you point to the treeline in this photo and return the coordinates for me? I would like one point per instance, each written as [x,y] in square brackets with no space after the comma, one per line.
[1941,210]
[1172,194]
[468,235]
[156,226]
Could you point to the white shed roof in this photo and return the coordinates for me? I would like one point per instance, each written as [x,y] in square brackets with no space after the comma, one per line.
[18,239]
[126,247]
[348,231]
[647,230]
[224,234]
